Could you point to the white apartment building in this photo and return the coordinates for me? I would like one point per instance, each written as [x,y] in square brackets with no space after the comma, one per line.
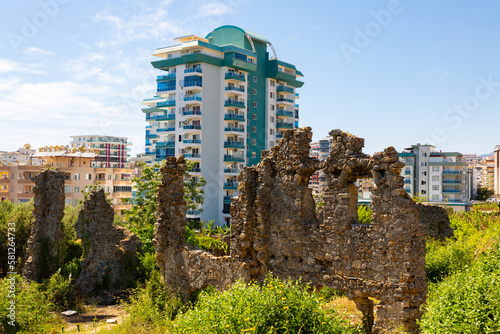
[220,101]
[113,151]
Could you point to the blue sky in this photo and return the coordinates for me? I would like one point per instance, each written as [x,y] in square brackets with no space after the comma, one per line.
[393,72]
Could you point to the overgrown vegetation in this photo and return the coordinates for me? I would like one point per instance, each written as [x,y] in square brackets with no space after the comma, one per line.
[208,237]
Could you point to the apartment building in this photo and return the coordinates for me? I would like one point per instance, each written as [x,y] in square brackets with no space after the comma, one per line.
[220,101]
[488,172]
[112,152]
[22,156]
[17,181]
[434,176]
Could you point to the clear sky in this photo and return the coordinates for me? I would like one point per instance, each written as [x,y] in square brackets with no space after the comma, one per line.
[394,72]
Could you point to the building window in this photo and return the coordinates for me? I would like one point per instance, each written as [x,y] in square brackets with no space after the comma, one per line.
[88,177]
[77,176]
[272,83]
[67,201]
[254,129]
[271,119]
[271,143]
[435,178]
[423,192]
[254,141]
[424,173]
[424,183]
[77,189]
[435,169]
[272,107]
[67,189]
[435,188]
[254,155]
[271,95]
[254,116]
[248,83]
[435,198]
[254,79]
[248,96]
[423,164]
[271,131]
[254,104]
[75,202]
[424,155]
[109,176]
[254,91]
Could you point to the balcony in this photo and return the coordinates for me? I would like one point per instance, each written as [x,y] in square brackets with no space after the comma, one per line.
[283,88]
[453,191]
[227,199]
[235,89]
[407,181]
[285,113]
[166,77]
[193,84]
[452,181]
[232,129]
[165,129]
[165,89]
[151,136]
[193,70]
[234,117]
[284,125]
[192,155]
[230,185]
[191,112]
[279,135]
[192,141]
[169,103]
[234,103]
[233,158]
[407,172]
[452,172]
[160,157]
[192,127]
[235,76]
[193,212]
[192,98]
[284,100]
[231,170]
[194,170]
[233,144]
[166,117]
[163,144]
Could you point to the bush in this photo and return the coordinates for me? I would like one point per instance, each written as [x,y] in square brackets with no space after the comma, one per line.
[208,238]
[443,259]
[274,307]
[468,301]
[60,293]
[31,308]
[364,214]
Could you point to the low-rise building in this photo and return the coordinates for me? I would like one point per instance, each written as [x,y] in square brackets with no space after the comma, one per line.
[111,151]
[17,181]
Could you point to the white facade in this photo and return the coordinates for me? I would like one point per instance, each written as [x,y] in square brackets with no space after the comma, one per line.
[113,151]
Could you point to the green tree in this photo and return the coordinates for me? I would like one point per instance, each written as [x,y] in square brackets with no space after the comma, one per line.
[483,193]
[142,216]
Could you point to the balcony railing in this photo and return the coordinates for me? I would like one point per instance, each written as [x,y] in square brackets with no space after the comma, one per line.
[286,125]
[193,84]
[228,157]
[283,88]
[234,103]
[234,88]
[230,185]
[169,143]
[193,70]
[407,172]
[407,181]
[233,129]
[192,98]
[456,191]
[150,136]
[285,113]
[192,141]
[227,199]
[229,117]
[237,76]
[191,112]
[192,155]
[283,99]
[192,127]
[169,103]
[165,117]
[236,144]
[168,76]
[452,181]
[165,89]
[452,172]
[195,170]
[231,170]
[165,129]
[193,212]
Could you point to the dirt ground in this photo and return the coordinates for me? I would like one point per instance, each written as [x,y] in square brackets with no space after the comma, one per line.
[86,319]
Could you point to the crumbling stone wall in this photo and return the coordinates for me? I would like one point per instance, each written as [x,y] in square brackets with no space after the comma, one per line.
[435,220]
[275,227]
[110,257]
[45,245]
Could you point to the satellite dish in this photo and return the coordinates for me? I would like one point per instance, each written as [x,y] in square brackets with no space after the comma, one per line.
[27,146]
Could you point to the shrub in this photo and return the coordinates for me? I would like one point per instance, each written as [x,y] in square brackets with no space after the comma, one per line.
[468,301]
[208,238]
[443,259]
[364,214]
[274,307]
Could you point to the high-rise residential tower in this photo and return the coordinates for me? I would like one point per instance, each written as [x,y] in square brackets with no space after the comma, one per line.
[221,100]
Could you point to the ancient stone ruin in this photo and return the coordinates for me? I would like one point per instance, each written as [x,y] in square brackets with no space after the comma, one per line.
[276,227]
[435,220]
[46,243]
[110,257]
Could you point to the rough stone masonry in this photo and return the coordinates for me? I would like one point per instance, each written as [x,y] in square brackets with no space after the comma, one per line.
[276,227]
[46,243]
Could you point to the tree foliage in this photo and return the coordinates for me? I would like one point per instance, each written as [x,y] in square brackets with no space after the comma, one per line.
[483,193]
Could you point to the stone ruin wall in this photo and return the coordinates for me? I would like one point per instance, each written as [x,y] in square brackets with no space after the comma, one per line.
[435,220]
[110,252]
[46,243]
[275,228]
